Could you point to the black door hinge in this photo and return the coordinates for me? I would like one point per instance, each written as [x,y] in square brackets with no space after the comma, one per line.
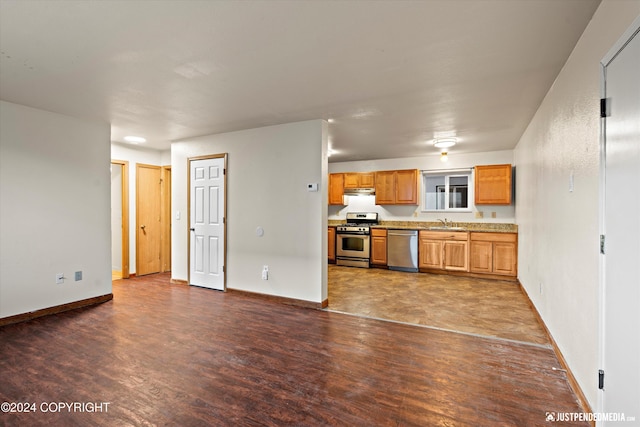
[601,379]
[605,107]
[602,241]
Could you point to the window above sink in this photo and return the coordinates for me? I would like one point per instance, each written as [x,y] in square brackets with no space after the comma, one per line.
[447,190]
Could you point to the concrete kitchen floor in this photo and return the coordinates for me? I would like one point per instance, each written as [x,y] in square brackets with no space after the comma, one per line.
[482,307]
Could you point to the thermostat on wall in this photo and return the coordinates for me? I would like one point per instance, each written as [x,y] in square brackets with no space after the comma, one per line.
[312,187]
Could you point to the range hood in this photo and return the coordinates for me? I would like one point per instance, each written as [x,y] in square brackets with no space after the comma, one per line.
[359,191]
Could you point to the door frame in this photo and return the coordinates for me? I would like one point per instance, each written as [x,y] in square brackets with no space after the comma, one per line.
[125,215]
[617,47]
[165,219]
[224,156]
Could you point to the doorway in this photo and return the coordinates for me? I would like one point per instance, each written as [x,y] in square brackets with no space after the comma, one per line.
[119,220]
[207,221]
[620,225]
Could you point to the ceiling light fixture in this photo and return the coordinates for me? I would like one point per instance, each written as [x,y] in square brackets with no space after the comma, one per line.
[444,142]
[444,157]
[135,139]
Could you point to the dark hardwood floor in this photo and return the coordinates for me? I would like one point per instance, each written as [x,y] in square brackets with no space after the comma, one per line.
[164,354]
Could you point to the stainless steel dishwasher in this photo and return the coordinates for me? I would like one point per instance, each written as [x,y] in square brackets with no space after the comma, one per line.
[402,250]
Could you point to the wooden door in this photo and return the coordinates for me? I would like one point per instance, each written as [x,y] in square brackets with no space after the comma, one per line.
[207,222]
[406,191]
[385,188]
[148,219]
[455,255]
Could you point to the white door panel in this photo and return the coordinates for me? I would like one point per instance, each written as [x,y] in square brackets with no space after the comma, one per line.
[207,223]
[621,287]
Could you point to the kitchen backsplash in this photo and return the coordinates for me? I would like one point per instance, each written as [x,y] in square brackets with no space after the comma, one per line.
[503,214]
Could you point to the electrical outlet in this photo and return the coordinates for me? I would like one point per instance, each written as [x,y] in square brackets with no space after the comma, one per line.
[78,276]
[265,272]
[479,214]
[493,214]
[59,278]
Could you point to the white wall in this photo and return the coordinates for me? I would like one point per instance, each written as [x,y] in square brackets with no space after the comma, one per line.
[54,210]
[504,214]
[558,229]
[135,155]
[267,176]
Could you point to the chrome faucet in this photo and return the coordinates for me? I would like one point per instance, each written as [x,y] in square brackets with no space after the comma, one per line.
[444,222]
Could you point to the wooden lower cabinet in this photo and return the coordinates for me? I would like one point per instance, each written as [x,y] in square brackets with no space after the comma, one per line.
[443,250]
[331,244]
[481,257]
[455,256]
[494,253]
[379,246]
[430,253]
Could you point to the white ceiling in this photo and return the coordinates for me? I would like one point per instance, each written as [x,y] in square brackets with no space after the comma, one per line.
[390,73]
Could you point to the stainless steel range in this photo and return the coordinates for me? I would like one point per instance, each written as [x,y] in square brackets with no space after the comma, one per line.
[353,239]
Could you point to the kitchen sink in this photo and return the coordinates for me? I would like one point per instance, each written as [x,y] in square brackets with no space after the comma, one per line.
[447,228]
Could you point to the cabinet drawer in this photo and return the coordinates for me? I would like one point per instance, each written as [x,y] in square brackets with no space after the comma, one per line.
[444,235]
[493,237]
[379,232]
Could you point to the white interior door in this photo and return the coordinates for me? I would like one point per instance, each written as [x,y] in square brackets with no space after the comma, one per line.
[207,231]
[621,287]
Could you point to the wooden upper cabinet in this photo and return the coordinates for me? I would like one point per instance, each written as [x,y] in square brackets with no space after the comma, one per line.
[398,187]
[359,180]
[385,188]
[407,187]
[336,189]
[493,185]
